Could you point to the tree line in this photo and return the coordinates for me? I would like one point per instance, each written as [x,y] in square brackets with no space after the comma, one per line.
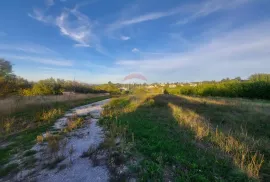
[257,86]
[10,84]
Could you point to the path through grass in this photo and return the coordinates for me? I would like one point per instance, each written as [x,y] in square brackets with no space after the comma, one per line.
[36,120]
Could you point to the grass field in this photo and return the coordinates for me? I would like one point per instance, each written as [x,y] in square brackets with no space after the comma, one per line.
[180,138]
[20,128]
[16,103]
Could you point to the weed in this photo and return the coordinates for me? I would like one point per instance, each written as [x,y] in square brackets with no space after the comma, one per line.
[53,144]
[70,152]
[13,167]
[39,139]
[178,139]
[29,153]
[89,152]
[29,124]
[29,162]
[52,164]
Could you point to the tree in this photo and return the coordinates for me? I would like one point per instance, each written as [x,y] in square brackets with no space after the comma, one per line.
[7,79]
[260,77]
[5,68]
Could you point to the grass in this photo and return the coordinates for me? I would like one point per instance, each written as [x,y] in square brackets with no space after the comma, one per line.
[181,138]
[19,103]
[39,113]
[53,164]
[36,120]
[6,170]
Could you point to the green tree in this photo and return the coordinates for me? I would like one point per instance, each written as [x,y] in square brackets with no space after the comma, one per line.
[5,68]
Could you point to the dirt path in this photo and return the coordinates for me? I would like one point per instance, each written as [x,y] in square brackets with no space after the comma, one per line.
[71,166]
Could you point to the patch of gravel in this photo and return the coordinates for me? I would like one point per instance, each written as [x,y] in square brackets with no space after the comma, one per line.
[76,142]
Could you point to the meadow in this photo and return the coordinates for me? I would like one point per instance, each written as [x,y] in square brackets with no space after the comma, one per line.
[181,138]
[22,121]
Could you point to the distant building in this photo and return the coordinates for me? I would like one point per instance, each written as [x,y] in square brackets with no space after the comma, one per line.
[150,86]
[172,86]
[193,84]
[123,89]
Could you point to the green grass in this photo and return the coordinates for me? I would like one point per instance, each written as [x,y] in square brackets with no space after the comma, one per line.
[165,132]
[6,170]
[29,153]
[23,140]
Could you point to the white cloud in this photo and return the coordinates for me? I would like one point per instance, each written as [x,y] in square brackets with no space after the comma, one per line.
[232,54]
[27,48]
[78,30]
[124,38]
[194,10]
[2,34]
[39,15]
[49,2]
[142,18]
[48,61]
[211,6]
[71,23]
[135,50]
[81,45]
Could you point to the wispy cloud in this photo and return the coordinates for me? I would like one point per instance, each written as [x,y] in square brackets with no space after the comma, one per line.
[48,61]
[135,50]
[209,7]
[189,12]
[78,30]
[2,34]
[71,23]
[49,2]
[239,50]
[39,15]
[124,38]
[27,48]
[143,18]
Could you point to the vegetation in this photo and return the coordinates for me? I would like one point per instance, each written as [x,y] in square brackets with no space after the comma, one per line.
[179,138]
[20,130]
[11,84]
[258,86]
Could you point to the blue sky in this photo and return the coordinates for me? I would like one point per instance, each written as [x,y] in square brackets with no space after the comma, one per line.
[97,41]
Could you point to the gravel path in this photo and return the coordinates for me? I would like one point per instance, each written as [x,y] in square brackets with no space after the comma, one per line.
[74,168]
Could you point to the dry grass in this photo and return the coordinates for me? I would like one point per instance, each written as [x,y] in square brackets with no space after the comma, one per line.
[16,103]
[73,122]
[31,112]
[243,157]
[195,139]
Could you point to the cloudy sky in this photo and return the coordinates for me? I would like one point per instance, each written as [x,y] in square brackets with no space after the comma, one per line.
[97,41]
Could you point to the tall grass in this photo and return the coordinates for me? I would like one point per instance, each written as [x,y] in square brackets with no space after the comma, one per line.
[17,103]
[243,156]
[31,112]
[192,139]
[245,89]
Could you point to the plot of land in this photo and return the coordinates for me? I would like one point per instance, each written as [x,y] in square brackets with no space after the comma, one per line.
[158,137]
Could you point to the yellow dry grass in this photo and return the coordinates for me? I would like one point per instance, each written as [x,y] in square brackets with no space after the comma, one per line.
[243,156]
[13,104]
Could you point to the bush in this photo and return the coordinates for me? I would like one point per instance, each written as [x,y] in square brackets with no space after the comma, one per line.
[247,89]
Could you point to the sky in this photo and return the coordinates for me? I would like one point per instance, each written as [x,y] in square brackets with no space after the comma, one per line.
[96,41]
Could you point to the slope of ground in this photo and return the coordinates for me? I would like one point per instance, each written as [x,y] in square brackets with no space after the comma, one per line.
[169,138]
[17,157]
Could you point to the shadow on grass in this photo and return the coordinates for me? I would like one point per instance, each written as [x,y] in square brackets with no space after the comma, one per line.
[172,152]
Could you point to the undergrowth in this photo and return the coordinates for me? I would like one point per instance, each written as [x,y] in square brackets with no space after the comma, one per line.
[27,126]
[177,139]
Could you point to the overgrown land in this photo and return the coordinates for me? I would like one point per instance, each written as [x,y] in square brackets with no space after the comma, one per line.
[20,128]
[200,131]
[181,138]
